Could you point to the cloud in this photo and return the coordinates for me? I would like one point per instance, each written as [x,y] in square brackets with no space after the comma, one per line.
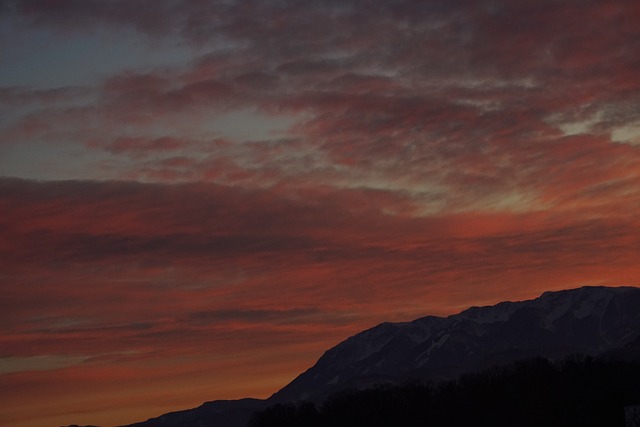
[418,158]
[19,96]
[182,238]
[436,106]
[289,316]
[36,363]
[145,16]
[199,274]
[427,144]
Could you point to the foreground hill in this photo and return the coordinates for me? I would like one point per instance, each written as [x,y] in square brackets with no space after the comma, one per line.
[589,321]
[223,413]
[576,392]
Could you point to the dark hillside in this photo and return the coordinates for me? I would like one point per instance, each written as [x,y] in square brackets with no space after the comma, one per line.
[576,392]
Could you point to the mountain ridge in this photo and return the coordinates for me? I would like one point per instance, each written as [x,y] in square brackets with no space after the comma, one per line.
[590,320]
[583,320]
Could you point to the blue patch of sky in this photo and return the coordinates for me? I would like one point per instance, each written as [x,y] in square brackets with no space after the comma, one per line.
[40,58]
[49,161]
[247,124]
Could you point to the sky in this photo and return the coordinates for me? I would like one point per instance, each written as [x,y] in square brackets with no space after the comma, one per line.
[198,198]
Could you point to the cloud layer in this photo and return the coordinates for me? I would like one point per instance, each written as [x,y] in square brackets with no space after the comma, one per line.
[314,168]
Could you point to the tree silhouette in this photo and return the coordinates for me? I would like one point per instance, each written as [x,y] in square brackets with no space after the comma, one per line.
[575,392]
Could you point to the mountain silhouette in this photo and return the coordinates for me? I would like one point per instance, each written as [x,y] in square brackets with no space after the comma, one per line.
[590,321]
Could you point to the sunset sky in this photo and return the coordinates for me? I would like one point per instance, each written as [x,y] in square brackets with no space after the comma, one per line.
[198,198]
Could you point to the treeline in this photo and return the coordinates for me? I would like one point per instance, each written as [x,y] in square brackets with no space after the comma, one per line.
[576,392]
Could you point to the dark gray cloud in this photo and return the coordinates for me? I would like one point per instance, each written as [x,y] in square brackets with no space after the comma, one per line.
[279,317]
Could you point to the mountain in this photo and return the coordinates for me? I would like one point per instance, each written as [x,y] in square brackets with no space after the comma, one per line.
[588,320]
[225,413]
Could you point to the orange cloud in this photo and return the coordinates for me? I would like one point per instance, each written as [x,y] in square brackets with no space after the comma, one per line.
[442,154]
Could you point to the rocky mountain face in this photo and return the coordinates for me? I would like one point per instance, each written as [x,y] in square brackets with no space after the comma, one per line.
[588,320]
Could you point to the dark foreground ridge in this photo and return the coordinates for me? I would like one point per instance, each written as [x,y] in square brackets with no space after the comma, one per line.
[536,392]
[590,321]
[227,413]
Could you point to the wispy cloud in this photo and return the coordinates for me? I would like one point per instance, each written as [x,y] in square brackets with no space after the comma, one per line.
[313,168]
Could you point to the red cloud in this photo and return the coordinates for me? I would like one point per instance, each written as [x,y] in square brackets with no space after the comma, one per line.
[428,170]
[128,274]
